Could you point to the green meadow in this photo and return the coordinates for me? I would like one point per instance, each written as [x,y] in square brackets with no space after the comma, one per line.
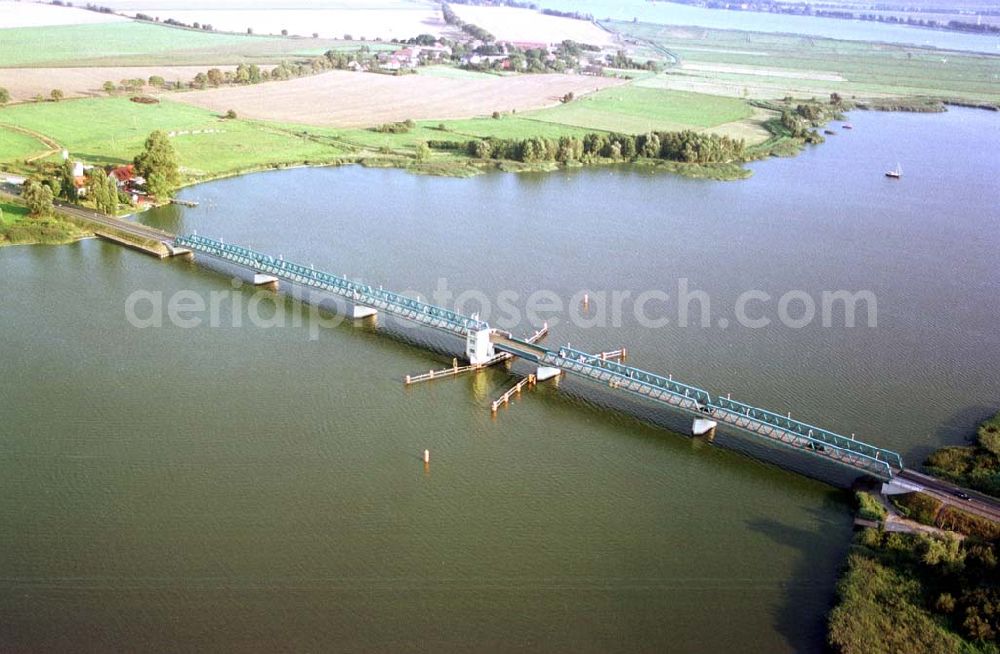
[137,43]
[775,64]
[636,109]
[113,130]
[15,146]
[12,213]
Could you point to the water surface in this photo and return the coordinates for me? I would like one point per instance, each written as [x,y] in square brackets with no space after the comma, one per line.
[669,13]
[253,489]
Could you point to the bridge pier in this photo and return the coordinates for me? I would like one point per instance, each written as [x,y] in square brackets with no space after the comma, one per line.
[900,487]
[703,427]
[260,279]
[547,372]
[358,311]
[176,251]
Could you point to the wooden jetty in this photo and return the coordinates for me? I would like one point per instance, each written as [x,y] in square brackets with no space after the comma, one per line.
[614,355]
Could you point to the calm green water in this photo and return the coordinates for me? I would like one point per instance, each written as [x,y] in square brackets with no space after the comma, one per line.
[243,488]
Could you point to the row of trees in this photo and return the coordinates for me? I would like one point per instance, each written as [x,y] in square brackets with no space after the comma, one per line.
[685,146]
[55,95]
[254,74]
[474,31]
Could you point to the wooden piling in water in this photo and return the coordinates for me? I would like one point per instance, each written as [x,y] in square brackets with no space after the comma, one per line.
[511,392]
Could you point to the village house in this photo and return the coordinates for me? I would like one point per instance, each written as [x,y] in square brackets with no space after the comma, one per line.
[413,56]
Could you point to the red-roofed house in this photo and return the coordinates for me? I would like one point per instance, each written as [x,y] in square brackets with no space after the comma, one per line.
[122,175]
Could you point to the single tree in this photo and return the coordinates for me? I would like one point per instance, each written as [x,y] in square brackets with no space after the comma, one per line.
[156,80]
[103,191]
[56,95]
[4,96]
[231,114]
[158,164]
[423,152]
[55,185]
[68,183]
[38,198]
[109,87]
[215,76]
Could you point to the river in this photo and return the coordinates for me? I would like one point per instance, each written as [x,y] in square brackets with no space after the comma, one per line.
[670,13]
[241,487]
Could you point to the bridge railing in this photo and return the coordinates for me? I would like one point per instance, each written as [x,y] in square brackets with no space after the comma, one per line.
[667,384]
[816,434]
[364,294]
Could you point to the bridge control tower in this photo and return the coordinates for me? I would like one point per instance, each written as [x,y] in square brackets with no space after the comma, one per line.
[478,346]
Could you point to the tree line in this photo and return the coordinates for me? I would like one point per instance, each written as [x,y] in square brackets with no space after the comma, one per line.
[474,31]
[685,146]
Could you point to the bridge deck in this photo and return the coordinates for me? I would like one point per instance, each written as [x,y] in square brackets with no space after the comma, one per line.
[776,429]
[354,292]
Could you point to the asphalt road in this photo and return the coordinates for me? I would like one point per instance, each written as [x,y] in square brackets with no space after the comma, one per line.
[978,503]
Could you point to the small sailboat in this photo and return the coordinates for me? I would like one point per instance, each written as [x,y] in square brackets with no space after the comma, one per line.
[894,174]
[847,126]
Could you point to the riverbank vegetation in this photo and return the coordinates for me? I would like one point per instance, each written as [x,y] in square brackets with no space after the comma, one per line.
[929,510]
[916,592]
[975,466]
[687,147]
[18,227]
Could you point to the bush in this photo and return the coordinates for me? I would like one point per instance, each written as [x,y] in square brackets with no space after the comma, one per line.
[880,610]
[423,152]
[870,508]
[967,523]
[918,506]
[395,128]
[976,466]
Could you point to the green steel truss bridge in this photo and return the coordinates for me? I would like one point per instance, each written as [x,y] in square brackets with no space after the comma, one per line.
[484,345]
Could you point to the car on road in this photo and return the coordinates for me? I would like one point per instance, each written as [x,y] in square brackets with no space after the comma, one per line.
[962,495]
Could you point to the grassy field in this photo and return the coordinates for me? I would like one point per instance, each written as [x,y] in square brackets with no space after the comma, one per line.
[112,130]
[636,109]
[135,43]
[735,63]
[16,146]
[512,126]
[12,213]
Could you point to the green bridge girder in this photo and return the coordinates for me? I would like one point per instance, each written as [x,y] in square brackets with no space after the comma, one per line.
[767,425]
